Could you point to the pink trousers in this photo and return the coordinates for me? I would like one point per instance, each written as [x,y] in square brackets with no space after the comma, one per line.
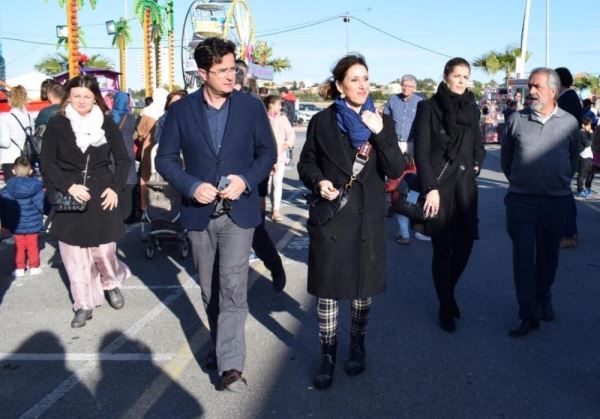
[91,271]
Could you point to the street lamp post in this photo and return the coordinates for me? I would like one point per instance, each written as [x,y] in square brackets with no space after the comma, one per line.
[347,22]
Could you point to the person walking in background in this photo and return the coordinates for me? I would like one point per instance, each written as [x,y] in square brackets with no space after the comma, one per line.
[347,254]
[121,115]
[80,145]
[585,175]
[172,97]
[55,96]
[14,126]
[449,154]
[402,108]
[568,100]
[288,103]
[285,137]
[144,136]
[228,149]
[539,194]
[22,209]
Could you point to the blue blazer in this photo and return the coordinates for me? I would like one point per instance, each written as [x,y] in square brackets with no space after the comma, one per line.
[248,150]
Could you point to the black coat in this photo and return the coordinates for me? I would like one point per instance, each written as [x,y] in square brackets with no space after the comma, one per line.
[62,164]
[457,187]
[347,255]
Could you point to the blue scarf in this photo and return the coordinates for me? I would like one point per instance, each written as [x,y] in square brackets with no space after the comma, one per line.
[350,122]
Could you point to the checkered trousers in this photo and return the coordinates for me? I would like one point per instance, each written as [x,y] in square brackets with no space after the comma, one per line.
[327,313]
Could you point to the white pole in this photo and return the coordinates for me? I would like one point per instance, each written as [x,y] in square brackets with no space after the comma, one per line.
[520,65]
[547,33]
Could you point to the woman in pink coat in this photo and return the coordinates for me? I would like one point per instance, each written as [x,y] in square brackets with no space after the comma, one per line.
[285,137]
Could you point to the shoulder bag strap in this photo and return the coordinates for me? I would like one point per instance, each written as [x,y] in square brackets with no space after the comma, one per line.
[360,160]
[123,121]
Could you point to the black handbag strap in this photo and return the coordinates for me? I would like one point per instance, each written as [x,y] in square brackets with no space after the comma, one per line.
[27,134]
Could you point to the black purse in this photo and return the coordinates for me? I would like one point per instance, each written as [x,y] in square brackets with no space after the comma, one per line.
[414,210]
[321,210]
[65,202]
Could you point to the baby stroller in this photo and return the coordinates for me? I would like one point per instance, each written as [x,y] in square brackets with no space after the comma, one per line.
[162,216]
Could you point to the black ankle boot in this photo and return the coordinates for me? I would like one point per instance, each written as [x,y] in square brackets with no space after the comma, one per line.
[356,363]
[324,376]
[447,322]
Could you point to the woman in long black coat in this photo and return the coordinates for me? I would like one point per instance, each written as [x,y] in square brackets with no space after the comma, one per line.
[82,134]
[347,254]
[448,154]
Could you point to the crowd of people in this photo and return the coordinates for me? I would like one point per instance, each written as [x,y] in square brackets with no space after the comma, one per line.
[224,149]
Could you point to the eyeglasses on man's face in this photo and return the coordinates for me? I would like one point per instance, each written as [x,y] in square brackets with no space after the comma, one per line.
[223,72]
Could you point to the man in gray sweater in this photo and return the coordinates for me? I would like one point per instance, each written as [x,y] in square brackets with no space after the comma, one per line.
[539,157]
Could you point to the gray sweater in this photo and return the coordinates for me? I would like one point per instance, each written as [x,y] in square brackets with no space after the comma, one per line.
[540,158]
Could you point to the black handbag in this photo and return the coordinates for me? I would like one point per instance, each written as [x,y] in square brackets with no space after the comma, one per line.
[66,202]
[321,210]
[414,210]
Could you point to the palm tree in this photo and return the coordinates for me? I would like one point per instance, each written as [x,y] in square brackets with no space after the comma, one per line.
[506,61]
[170,18]
[58,63]
[587,81]
[73,32]
[158,30]
[263,53]
[147,11]
[121,39]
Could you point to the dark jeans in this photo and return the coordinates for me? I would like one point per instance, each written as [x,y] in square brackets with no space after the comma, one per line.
[586,174]
[535,226]
[451,251]
[570,221]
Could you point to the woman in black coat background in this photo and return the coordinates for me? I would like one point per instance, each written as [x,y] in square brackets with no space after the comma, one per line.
[347,254]
[82,134]
[448,154]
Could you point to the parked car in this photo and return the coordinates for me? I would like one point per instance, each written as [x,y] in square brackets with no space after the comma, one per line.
[306,111]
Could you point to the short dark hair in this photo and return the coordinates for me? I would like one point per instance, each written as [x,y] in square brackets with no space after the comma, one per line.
[56,90]
[263,89]
[148,101]
[587,103]
[88,82]
[269,100]
[565,76]
[45,86]
[170,96]
[22,166]
[283,89]
[586,120]
[329,90]
[455,62]
[211,51]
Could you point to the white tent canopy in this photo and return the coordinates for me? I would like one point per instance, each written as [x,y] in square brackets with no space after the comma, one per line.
[30,81]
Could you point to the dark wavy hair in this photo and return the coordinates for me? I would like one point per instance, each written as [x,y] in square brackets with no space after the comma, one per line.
[211,51]
[88,82]
[328,89]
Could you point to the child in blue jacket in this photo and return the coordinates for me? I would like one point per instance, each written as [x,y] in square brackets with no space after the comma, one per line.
[22,208]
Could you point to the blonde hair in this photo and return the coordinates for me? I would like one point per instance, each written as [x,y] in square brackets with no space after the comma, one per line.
[17,97]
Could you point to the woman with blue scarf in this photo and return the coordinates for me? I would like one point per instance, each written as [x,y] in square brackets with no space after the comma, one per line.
[347,253]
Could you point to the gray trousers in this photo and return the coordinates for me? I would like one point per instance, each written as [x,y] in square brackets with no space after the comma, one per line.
[225,293]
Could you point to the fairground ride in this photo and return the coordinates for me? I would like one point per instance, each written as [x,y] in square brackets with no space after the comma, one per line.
[230,20]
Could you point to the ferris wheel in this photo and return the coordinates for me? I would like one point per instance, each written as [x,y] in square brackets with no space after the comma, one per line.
[230,20]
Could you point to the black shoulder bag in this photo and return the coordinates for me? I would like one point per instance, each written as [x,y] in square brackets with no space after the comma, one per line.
[321,210]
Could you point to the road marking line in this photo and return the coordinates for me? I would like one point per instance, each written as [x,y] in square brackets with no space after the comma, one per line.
[78,357]
[81,373]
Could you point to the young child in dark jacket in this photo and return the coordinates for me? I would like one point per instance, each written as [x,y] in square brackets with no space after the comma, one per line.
[22,208]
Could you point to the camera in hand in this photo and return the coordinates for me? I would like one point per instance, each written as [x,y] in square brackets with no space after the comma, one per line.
[222,206]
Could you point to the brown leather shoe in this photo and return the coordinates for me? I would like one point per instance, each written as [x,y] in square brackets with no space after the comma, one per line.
[233,381]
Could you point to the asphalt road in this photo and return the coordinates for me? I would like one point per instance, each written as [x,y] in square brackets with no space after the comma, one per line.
[143,361]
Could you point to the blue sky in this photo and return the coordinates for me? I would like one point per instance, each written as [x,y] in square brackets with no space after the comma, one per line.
[465,28]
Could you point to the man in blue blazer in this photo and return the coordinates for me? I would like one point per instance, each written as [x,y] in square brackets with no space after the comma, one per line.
[220,133]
